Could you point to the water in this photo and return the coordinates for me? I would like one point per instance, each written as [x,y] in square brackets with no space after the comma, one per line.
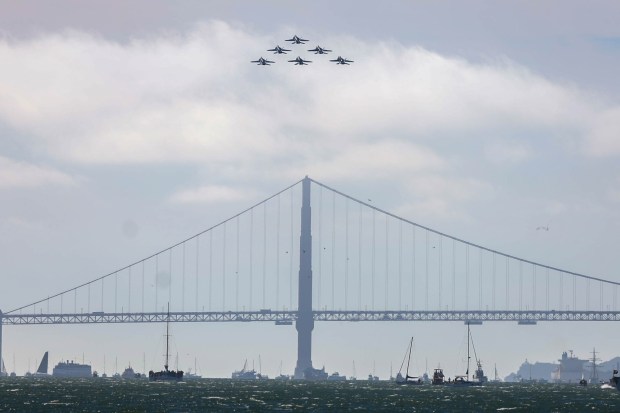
[213,395]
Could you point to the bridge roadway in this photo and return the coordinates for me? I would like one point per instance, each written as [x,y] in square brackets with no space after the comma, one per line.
[288,317]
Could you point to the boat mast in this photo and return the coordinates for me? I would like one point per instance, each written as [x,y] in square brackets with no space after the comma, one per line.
[167,336]
[468,336]
[409,359]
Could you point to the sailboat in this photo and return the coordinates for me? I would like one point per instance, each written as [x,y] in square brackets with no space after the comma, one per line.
[42,370]
[166,375]
[408,379]
[463,381]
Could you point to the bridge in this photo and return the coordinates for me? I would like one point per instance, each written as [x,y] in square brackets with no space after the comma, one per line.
[312,253]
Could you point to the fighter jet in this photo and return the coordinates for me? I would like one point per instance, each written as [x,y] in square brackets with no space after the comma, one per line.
[297,40]
[300,61]
[278,50]
[319,50]
[341,61]
[262,62]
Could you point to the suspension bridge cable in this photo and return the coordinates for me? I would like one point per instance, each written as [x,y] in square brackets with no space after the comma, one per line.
[440,269]
[210,269]
[346,253]
[460,239]
[333,249]
[197,271]
[507,283]
[547,289]
[426,273]
[387,272]
[494,281]
[183,286]
[453,275]
[159,252]
[128,295]
[359,262]
[520,285]
[321,248]
[170,275]
[237,271]
[533,287]
[400,259]
[467,277]
[156,282]
[278,257]
[372,289]
[480,279]
[142,303]
[224,267]
[561,291]
[290,254]
[264,255]
[251,257]
[413,262]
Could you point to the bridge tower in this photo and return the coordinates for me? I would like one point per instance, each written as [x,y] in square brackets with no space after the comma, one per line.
[305,319]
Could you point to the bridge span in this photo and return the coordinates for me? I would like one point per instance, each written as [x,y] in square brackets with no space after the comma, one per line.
[340,260]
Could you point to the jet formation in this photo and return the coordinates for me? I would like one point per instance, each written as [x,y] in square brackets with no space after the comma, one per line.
[299,61]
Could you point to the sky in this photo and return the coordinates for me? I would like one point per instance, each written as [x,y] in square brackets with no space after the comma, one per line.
[126,127]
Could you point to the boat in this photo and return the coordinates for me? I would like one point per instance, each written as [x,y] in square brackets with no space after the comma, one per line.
[463,380]
[496,377]
[71,369]
[313,374]
[570,369]
[479,373]
[438,377]
[193,375]
[129,373]
[336,377]
[42,370]
[413,380]
[583,382]
[282,377]
[615,379]
[3,372]
[245,374]
[353,377]
[166,374]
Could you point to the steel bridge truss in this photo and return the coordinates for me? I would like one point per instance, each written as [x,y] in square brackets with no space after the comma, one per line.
[288,317]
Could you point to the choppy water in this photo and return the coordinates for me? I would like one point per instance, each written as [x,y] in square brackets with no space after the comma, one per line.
[211,395]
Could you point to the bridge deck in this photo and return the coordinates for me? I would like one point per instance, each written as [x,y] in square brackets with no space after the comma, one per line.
[287,317]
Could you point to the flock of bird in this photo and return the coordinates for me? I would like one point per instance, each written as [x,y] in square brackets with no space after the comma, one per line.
[299,61]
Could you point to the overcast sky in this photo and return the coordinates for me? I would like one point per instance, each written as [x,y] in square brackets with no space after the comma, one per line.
[128,126]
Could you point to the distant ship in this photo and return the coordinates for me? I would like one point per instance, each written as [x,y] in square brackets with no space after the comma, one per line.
[313,374]
[373,378]
[72,370]
[129,373]
[463,381]
[336,377]
[3,372]
[413,380]
[570,369]
[166,375]
[245,374]
[192,375]
[479,373]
